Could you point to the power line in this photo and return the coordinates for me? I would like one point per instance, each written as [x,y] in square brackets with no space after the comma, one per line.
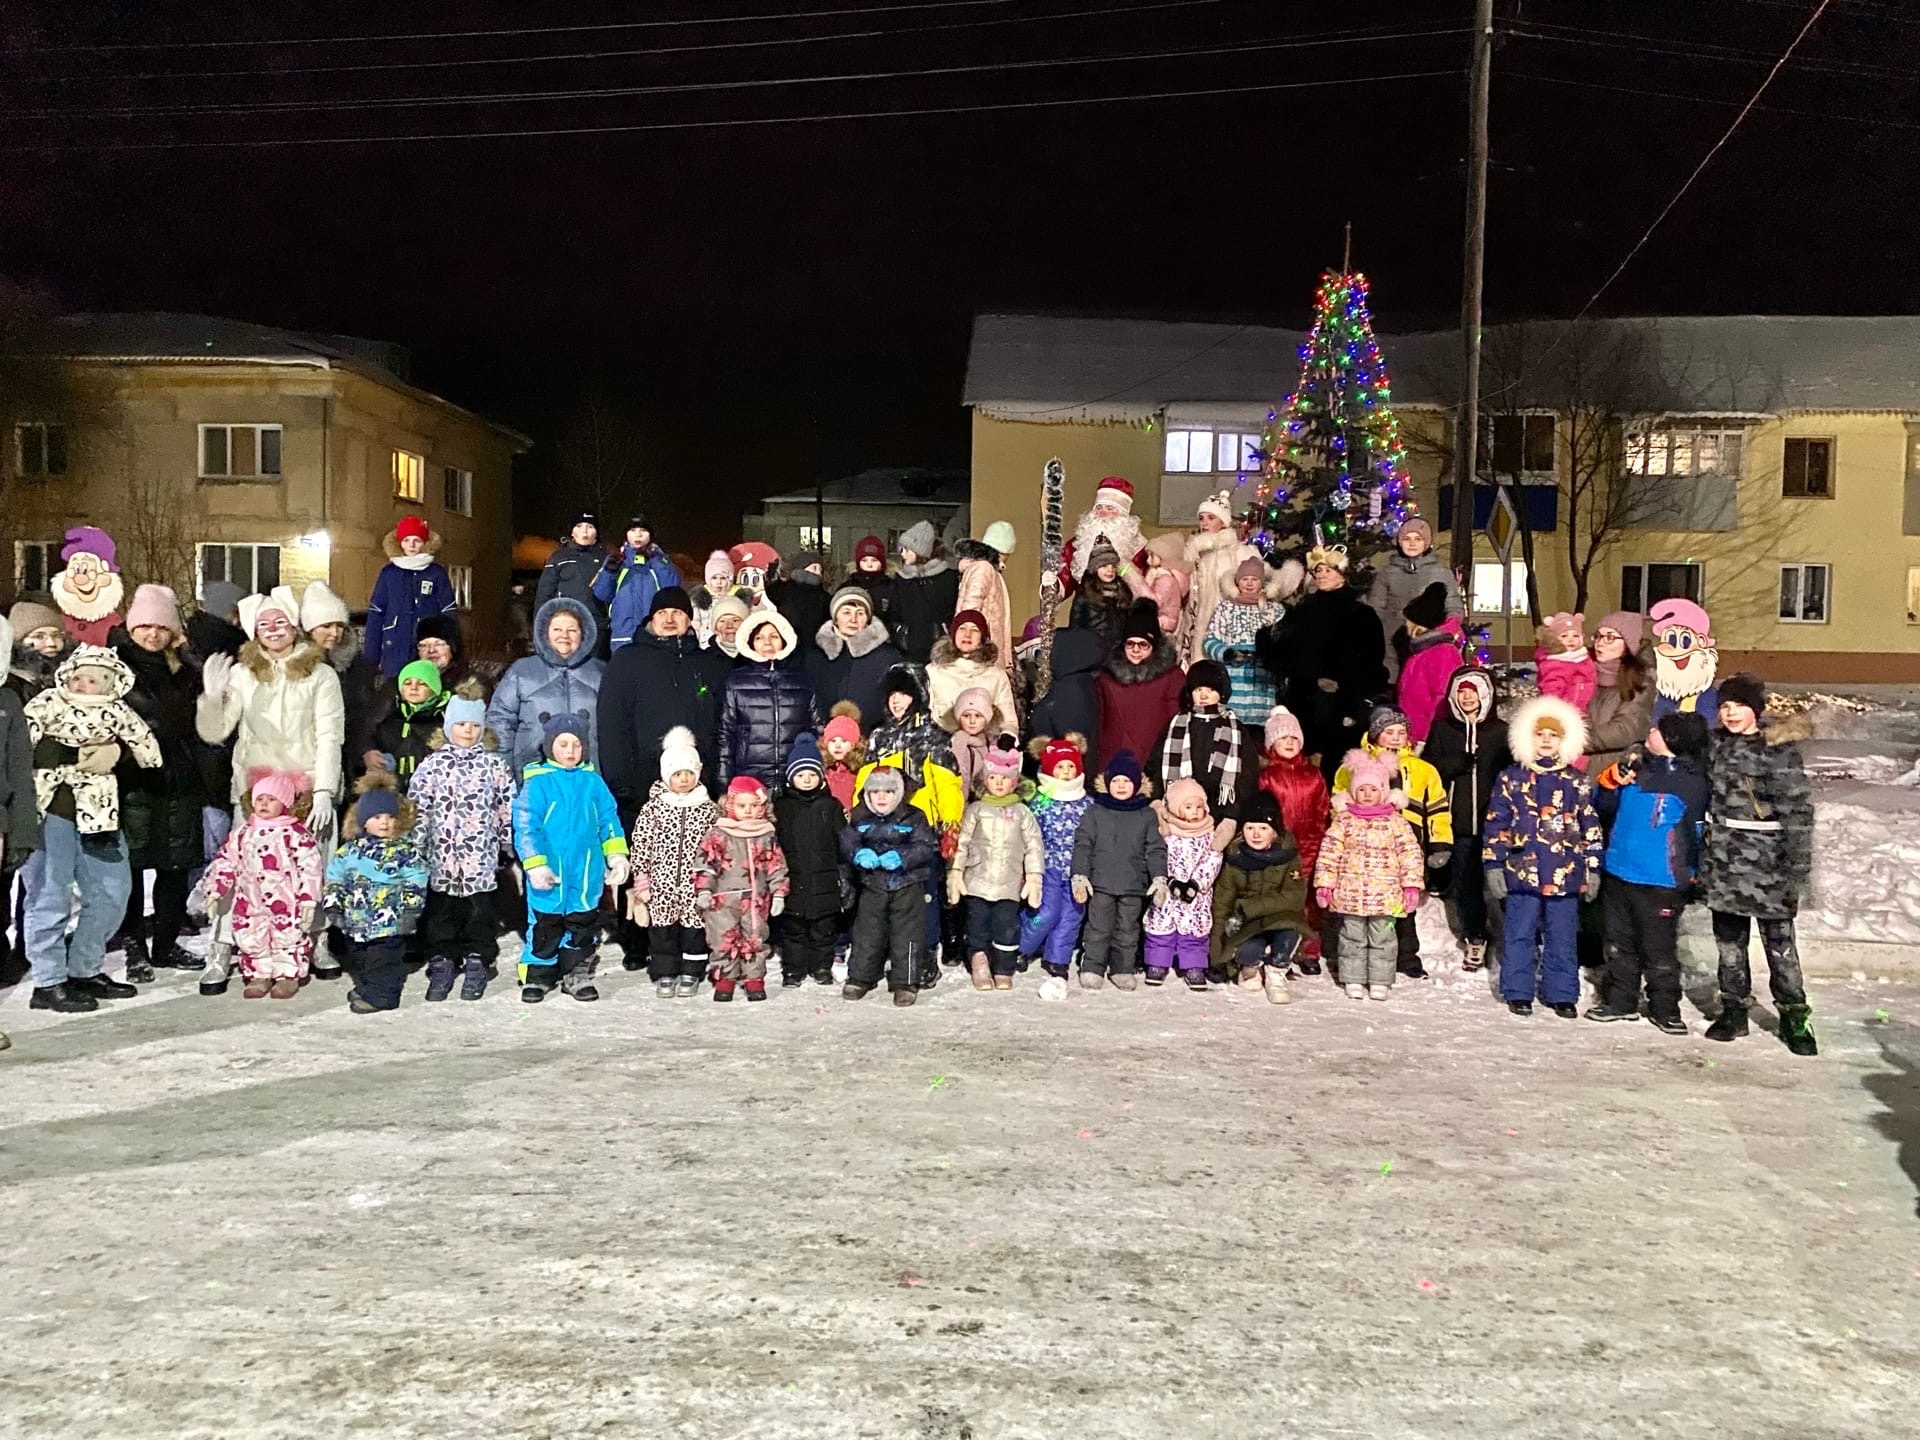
[1699,99]
[1060,102]
[1686,49]
[557,57]
[517,32]
[497,97]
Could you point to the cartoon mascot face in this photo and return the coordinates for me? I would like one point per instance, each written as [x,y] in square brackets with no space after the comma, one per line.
[1685,659]
[754,564]
[89,588]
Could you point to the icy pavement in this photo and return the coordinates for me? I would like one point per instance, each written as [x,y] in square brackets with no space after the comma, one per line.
[987,1216]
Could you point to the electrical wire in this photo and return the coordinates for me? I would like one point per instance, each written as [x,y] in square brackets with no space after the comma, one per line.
[1685,49]
[1699,99]
[613,92]
[1058,102]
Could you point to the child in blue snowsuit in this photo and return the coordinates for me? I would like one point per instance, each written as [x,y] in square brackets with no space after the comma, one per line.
[376,890]
[411,586]
[1542,853]
[566,831]
[628,582]
[1059,801]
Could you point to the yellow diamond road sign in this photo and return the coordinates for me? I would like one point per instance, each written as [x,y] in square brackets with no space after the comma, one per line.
[1502,522]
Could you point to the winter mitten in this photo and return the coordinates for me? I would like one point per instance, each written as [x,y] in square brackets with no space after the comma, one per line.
[1323,897]
[409,921]
[98,759]
[1590,892]
[1157,891]
[215,674]
[1223,835]
[637,909]
[892,861]
[1082,889]
[1496,882]
[307,914]
[953,888]
[1410,898]
[1234,923]
[1030,892]
[617,871]
[542,878]
[866,858]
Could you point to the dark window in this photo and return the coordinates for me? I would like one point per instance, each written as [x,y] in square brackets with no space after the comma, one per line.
[270,450]
[254,568]
[1644,586]
[40,450]
[1807,469]
[1519,443]
[213,451]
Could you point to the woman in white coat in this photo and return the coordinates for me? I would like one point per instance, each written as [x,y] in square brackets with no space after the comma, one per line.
[281,702]
[1214,553]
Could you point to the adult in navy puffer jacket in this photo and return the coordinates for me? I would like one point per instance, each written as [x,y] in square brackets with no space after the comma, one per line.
[627,585]
[410,587]
[767,704]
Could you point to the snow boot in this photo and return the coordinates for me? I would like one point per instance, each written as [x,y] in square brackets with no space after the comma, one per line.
[1057,971]
[1003,982]
[360,1005]
[1356,992]
[790,978]
[1379,992]
[1275,983]
[630,963]
[285,988]
[664,988]
[981,973]
[1411,968]
[530,994]
[139,959]
[905,997]
[853,990]
[177,957]
[101,987]
[686,987]
[1520,1007]
[1796,1031]
[439,978]
[756,989]
[1091,979]
[1126,980]
[722,990]
[1308,965]
[823,977]
[219,965]
[1156,974]
[1250,978]
[1474,956]
[1195,979]
[1609,1010]
[1218,975]
[1566,1012]
[1732,1024]
[1666,1021]
[62,998]
[578,982]
[473,977]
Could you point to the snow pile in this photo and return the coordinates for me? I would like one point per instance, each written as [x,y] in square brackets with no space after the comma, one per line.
[1865,768]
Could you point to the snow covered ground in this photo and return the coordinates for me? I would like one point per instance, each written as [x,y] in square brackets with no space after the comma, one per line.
[987,1216]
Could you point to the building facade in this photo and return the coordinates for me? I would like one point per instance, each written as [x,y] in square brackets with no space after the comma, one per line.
[883,502]
[215,450]
[1766,466]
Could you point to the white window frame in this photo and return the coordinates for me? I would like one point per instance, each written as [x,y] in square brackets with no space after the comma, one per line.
[1243,441]
[1802,571]
[1669,450]
[259,429]
[456,490]
[1913,594]
[412,486]
[1643,566]
[461,577]
[1833,467]
[49,564]
[227,547]
[819,537]
[46,429]
[1486,578]
[1528,476]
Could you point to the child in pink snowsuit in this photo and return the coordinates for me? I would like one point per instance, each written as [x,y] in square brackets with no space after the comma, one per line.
[268,877]
[1180,924]
[1567,673]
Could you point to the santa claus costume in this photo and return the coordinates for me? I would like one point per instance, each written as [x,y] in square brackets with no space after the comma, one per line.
[1112,519]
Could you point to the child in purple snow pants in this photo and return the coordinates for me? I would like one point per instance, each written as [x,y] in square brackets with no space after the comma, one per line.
[1052,933]
[1180,925]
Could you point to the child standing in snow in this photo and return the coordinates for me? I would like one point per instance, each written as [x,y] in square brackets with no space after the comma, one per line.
[1759,855]
[268,879]
[739,885]
[665,851]
[1656,799]
[463,794]
[1542,854]
[893,850]
[566,832]
[843,753]
[996,869]
[376,889]
[808,821]
[1259,901]
[1050,930]
[1180,922]
[1566,666]
[1119,864]
[1368,876]
[1423,801]
[1297,783]
[401,737]
[1467,748]
[1206,742]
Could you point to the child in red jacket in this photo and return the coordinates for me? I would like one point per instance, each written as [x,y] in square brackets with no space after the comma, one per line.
[1296,782]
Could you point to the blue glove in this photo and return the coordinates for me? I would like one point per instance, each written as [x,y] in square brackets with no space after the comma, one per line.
[891,860]
[866,858]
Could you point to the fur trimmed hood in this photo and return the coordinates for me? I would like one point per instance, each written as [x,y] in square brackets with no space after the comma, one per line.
[305,659]
[944,652]
[1787,729]
[589,633]
[95,657]
[863,642]
[1482,683]
[1526,719]
[391,544]
[1163,659]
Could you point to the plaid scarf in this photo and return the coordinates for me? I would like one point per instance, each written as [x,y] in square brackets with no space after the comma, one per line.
[1176,751]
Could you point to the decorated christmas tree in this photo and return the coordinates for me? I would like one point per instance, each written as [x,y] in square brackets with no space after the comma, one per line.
[1333,467]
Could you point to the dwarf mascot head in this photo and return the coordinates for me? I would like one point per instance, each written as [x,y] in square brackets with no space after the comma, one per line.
[754,563]
[1684,657]
[90,587]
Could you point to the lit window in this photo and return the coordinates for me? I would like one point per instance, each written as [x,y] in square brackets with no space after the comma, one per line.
[457,490]
[1668,451]
[39,451]
[239,452]
[409,476]
[1486,587]
[816,537]
[1211,452]
[1804,593]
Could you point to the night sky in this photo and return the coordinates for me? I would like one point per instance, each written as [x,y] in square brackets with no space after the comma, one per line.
[774,302]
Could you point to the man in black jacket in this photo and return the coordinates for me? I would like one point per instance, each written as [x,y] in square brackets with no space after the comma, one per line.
[664,678]
[1330,655]
[571,570]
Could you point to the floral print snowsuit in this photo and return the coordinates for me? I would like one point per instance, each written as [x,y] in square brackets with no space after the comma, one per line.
[464,797]
[269,876]
[734,883]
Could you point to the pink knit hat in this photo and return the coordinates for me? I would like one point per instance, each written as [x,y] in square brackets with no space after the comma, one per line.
[974,700]
[1003,756]
[1365,769]
[841,727]
[1281,722]
[1184,789]
[277,783]
[154,605]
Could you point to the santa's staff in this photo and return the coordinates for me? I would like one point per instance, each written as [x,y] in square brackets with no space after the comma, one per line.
[1053,489]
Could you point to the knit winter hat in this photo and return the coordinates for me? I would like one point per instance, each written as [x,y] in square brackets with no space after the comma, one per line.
[919,538]
[1365,769]
[1102,553]
[277,783]
[974,700]
[850,595]
[841,727]
[744,785]
[411,527]
[155,605]
[28,616]
[379,801]
[1280,722]
[1003,757]
[1251,568]
[1429,607]
[1685,733]
[1381,718]
[279,598]
[1219,505]
[1183,790]
[900,680]
[671,597]
[1629,625]
[968,617]
[885,778]
[640,522]
[565,723]
[805,755]
[425,671]
[718,573]
[1744,688]
[221,599]
[1261,809]
[1416,526]
[427,627]
[1143,622]
[1000,536]
[1062,751]
[1210,674]
[1123,765]
[1561,621]
[585,517]
[678,752]
[868,547]
[320,606]
[461,710]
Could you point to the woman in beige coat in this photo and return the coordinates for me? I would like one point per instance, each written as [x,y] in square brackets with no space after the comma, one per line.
[984,588]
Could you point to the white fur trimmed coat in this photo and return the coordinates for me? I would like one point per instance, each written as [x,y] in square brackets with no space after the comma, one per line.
[284,714]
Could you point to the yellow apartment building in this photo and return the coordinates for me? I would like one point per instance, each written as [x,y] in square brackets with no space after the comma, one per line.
[1766,466]
[214,449]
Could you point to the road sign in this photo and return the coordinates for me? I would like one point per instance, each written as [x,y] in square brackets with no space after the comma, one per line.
[1502,522]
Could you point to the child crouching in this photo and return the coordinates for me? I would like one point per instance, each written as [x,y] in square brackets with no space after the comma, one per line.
[1368,876]
[997,867]
[892,849]
[1180,922]
[376,889]
[739,885]
[1259,901]
[566,831]
[267,881]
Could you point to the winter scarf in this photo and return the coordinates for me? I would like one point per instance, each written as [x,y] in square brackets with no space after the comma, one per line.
[970,760]
[1606,673]
[1178,826]
[1064,791]
[1176,751]
[1371,812]
[1139,801]
[743,829]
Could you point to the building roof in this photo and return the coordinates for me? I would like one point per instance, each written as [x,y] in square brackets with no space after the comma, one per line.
[904,485]
[170,337]
[1047,368]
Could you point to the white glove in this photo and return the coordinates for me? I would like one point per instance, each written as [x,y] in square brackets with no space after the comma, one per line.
[541,878]
[320,818]
[98,759]
[1030,892]
[617,871]
[215,674]
[1157,891]
[779,904]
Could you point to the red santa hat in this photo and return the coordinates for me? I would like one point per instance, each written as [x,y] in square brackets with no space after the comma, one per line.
[1115,491]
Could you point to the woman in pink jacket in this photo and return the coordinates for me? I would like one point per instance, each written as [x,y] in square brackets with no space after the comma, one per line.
[1436,644]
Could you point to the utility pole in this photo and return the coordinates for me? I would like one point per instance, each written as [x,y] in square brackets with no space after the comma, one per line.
[1467,442]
